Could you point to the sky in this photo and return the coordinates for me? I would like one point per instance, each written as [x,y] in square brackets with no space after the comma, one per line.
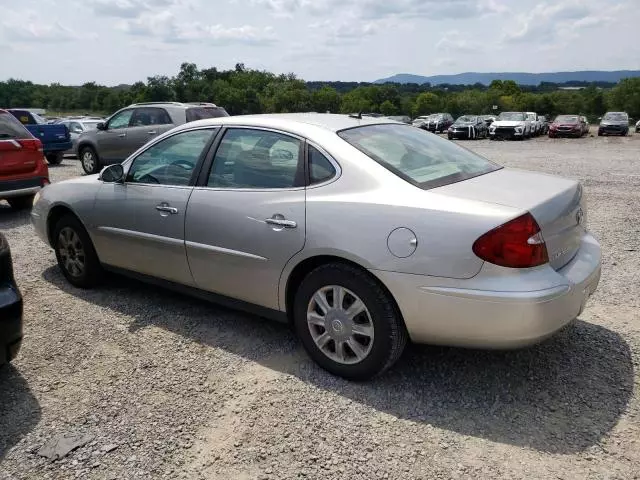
[123,41]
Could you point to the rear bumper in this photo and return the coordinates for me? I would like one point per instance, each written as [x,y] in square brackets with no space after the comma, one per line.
[57,147]
[499,308]
[20,188]
[10,323]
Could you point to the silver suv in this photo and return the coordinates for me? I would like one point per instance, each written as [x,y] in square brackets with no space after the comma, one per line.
[130,128]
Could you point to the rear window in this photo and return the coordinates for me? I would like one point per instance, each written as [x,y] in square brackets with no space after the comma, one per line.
[424,160]
[10,128]
[201,113]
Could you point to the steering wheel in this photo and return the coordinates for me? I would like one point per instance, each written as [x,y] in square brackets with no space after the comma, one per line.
[186,165]
[147,178]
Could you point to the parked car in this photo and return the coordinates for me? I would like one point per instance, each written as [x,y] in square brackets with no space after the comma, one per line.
[566,126]
[272,213]
[513,125]
[468,127]
[536,126]
[55,138]
[78,126]
[23,169]
[544,124]
[585,125]
[130,128]
[638,126]
[438,123]
[614,123]
[400,118]
[10,307]
[421,121]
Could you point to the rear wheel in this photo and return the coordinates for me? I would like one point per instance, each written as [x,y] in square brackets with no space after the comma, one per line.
[75,253]
[347,322]
[54,158]
[21,203]
[89,160]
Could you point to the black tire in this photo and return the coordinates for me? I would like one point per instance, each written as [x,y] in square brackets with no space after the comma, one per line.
[54,158]
[390,335]
[89,160]
[450,137]
[21,203]
[599,133]
[92,273]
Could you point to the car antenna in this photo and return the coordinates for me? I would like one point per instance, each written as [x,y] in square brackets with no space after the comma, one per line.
[356,115]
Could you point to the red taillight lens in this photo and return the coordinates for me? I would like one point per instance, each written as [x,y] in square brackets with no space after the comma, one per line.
[516,244]
[31,144]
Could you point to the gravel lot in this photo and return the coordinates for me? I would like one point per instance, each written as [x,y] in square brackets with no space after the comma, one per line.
[170,387]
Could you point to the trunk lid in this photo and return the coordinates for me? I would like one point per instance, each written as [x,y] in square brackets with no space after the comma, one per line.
[19,151]
[556,203]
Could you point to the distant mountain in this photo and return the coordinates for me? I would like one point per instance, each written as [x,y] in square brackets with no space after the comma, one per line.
[522,78]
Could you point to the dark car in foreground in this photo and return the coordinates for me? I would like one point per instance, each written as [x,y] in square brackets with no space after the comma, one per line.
[614,123]
[469,127]
[567,126]
[436,123]
[10,307]
[130,128]
[55,138]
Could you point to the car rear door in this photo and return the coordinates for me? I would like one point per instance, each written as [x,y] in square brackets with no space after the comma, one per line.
[146,124]
[246,218]
[139,223]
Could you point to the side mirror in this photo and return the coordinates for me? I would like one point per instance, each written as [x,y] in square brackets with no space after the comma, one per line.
[101,126]
[76,130]
[112,174]
[599,118]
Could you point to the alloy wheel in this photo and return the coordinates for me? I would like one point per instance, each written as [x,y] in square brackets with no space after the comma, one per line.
[71,252]
[340,324]
[88,161]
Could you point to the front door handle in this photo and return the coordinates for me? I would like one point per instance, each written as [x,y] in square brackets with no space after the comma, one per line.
[122,135]
[164,207]
[152,132]
[277,221]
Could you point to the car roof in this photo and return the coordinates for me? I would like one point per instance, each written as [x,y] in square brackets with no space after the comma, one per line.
[296,122]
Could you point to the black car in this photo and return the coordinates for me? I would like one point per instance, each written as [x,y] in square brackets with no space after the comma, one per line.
[10,307]
[544,124]
[468,127]
[614,123]
[437,123]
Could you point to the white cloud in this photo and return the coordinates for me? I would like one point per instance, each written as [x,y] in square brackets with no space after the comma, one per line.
[453,42]
[129,8]
[31,26]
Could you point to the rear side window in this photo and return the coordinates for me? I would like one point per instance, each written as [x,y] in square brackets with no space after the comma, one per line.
[143,117]
[422,159]
[201,113]
[320,168]
[10,128]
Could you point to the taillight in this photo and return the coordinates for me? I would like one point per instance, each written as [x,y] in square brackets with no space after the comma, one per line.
[31,144]
[515,244]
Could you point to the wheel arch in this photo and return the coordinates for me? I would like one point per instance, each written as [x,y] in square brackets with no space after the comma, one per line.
[55,214]
[308,264]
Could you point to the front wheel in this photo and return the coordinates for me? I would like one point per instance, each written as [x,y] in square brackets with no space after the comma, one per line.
[89,160]
[21,203]
[75,253]
[347,322]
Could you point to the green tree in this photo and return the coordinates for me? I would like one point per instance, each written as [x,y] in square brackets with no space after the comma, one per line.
[427,103]
[326,99]
[388,108]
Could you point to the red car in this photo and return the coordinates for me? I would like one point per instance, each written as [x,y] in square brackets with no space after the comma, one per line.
[23,169]
[567,126]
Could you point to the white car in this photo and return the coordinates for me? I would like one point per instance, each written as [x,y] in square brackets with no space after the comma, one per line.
[536,124]
[638,126]
[511,125]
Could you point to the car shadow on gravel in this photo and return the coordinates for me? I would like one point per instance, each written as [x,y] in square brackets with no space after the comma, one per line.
[561,396]
[19,409]
[11,218]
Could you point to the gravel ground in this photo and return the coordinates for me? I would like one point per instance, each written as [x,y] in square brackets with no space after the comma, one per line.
[169,387]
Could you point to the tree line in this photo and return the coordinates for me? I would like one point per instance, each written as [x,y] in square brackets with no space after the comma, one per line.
[245,91]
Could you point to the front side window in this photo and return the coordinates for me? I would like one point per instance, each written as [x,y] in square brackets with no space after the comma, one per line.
[320,168]
[424,160]
[120,120]
[170,161]
[248,158]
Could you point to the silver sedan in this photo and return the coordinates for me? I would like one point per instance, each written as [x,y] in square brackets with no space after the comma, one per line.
[362,233]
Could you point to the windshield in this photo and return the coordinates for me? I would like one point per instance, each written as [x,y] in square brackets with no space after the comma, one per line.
[200,113]
[618,117]
[420,158]
[39,120]
[466,119]
[567,119]
[512,116]
[531,116]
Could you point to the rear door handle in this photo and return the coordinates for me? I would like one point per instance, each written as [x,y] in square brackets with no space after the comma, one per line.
[281,222]
[122,135]
[164,207]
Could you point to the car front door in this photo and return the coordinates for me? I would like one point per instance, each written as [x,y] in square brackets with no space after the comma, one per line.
[246,217]
[146,124]
[139,223]
[111,141]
